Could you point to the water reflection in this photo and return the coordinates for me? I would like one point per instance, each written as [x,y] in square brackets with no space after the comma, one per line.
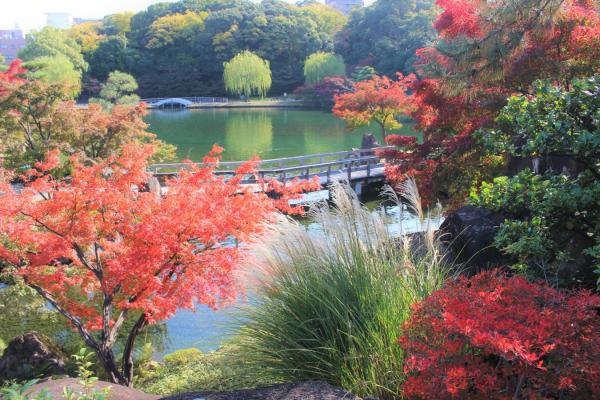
[270,133]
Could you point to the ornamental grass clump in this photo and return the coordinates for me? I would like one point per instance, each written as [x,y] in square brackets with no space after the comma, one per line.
[330,305]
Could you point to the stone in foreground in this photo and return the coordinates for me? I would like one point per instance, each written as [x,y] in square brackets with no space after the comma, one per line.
[55,388]
[287,391]
[29,356]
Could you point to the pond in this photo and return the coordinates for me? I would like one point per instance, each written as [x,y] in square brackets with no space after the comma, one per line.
[266,132]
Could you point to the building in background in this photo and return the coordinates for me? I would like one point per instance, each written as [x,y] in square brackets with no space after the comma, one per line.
[59,20]
[77,21]
[11,41]
[345,6]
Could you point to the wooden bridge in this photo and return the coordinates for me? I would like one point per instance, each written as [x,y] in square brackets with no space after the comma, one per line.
[358,167]
[182,102]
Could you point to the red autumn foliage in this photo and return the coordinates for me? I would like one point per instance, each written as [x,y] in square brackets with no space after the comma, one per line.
[498,337]
[486,52]
[100,249]
[11,76]
[379,100]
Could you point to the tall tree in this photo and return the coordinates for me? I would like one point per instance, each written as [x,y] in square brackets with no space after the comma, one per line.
[86,35]
[486,52]
[320,65]
[99,251]
[247,74]
[167,30]
[387,34]
[380,100]
[55,70]
[52,42]
[35,118]
[113,54]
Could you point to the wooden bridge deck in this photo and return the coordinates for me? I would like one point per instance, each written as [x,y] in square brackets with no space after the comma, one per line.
[361,166]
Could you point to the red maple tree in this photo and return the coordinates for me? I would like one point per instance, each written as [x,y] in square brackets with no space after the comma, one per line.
[101,249]
[380,100]
[11,76]
[486,52]
[499,337]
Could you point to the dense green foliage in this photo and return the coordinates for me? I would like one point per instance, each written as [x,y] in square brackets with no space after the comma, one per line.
[553,218]
[330,305]
[387,34]
[119,89]
[191,370]
[247,74]
[56,69]
[320,65]
[178,48]
[52,42]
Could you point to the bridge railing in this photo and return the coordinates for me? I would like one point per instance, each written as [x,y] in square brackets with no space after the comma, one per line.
[197,100]
[284,169]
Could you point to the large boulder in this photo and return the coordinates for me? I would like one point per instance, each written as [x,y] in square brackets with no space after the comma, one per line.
[286,391]
[468,234]
[30,356]
[115,392]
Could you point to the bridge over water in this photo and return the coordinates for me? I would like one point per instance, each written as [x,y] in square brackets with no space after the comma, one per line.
[183,102]
[359,167]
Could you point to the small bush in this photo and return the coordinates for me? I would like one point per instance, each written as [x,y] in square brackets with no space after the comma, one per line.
[329,305]
[499,337]
[191,370]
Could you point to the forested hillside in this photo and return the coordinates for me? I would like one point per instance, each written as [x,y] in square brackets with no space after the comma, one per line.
[178,48]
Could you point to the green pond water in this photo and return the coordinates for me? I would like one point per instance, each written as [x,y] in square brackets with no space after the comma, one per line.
[266,132]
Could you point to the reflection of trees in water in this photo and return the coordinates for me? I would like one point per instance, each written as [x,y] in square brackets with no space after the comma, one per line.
[325,136]
[23,310]
[248,134]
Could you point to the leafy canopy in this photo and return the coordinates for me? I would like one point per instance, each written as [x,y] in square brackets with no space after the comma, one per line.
[553,221]
[320,65]
[35,117]
[247,74]
[380,100]
[99,247]
[52,42]
[57,69]
[119,88]
[486,52]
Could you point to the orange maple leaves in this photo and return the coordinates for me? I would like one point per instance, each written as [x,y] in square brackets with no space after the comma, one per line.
[100,234]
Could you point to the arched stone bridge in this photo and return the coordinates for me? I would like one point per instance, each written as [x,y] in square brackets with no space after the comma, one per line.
[182,102]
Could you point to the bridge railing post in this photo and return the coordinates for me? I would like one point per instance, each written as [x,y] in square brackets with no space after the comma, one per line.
[349,171]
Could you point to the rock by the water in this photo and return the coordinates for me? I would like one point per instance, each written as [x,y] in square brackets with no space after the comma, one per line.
[116,392]
[469,234]
[286,391]
[30,356]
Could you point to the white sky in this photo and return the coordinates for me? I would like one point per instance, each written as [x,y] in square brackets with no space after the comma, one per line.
[29,14]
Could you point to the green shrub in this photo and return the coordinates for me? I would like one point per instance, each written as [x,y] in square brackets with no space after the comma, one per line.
[553,217]
[191,370]
[330,305]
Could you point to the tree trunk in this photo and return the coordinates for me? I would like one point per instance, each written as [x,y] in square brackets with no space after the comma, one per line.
[107,359]
[127,361]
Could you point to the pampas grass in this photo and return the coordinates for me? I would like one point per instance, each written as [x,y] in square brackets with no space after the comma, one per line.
[330,305]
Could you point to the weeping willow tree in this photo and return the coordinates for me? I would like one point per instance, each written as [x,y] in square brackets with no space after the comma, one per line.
[247,74]
[320,65]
